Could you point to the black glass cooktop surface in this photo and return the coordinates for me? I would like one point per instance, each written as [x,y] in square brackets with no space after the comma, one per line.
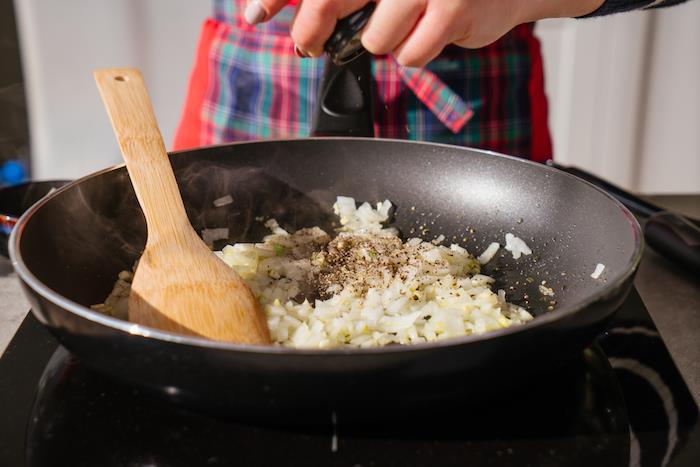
[621,402]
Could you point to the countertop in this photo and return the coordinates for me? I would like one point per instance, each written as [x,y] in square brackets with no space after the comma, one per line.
[671,295]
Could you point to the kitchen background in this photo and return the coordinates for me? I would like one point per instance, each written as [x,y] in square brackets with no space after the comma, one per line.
[624,91]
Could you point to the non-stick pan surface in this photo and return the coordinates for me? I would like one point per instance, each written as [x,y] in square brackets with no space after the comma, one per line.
[69,248]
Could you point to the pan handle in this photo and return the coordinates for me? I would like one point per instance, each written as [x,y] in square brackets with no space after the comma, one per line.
[675,237]
[670,234]
[344,104]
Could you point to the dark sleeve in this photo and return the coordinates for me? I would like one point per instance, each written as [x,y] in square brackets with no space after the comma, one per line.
[618,6]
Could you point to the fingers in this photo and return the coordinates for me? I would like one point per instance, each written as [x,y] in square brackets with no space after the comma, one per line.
[316,19]
[258,11]
[391,22]
[415,30]
[427,40]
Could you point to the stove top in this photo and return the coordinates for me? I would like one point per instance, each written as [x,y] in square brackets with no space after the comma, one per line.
[621,402]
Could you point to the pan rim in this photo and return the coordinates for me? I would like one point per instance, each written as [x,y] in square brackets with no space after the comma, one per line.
[151,333]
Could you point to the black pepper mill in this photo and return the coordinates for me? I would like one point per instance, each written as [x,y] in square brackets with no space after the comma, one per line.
[344,104]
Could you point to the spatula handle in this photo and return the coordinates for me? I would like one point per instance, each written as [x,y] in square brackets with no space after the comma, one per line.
[131,113]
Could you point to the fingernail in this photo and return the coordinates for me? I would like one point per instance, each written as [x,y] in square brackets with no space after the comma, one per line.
[301,53]
[254,13]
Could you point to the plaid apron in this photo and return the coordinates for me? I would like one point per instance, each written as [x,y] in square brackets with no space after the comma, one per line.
[248,84]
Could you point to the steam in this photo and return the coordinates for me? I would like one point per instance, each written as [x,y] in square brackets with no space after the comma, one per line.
[252,194]
[96,229]
[101,217]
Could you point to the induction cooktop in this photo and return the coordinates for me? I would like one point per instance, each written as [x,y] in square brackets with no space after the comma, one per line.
[620,402]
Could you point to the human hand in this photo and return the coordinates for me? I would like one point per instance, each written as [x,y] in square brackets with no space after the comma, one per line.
[416,31]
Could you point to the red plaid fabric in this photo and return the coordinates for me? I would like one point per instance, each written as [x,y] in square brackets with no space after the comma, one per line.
[248,84]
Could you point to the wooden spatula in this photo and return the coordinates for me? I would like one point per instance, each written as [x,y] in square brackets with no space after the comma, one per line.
[179,285]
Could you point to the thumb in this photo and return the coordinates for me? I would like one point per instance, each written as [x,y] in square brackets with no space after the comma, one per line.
[258,11]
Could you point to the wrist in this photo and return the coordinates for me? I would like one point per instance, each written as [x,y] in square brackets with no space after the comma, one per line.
[533,10]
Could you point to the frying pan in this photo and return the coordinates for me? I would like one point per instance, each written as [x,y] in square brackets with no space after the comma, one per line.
[68,249]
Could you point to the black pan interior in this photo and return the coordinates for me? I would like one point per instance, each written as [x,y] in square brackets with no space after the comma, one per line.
[84,235]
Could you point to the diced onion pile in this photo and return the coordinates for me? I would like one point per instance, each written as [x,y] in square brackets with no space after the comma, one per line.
[441,296]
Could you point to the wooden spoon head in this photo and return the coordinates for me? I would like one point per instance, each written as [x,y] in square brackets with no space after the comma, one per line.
[179,285]
[188,290]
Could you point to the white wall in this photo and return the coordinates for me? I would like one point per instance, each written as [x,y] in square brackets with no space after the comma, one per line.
[624,95]
[670,136]
[592,72]
[63,41]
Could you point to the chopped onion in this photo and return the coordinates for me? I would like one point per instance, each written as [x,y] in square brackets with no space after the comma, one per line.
[438,240]
[489,253]
[211,235]
[223,201]
[275,227]
[363,219]
[517,246]
[546,291]
[598,271]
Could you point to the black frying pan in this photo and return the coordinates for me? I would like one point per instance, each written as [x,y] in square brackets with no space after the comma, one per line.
[68,249]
